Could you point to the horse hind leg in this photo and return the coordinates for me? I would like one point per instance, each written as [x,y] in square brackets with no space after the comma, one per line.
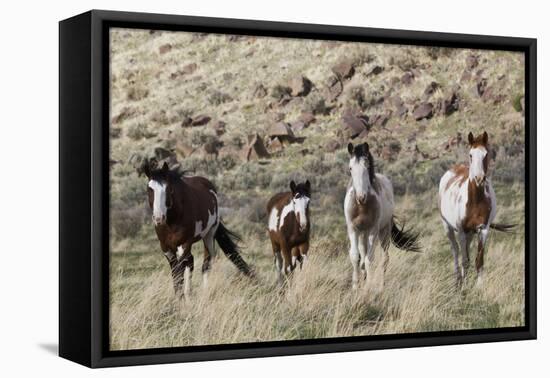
[385,236]
[482,242]
[278,261]
[209,255]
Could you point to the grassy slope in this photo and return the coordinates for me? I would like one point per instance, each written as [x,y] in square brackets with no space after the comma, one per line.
[419,293]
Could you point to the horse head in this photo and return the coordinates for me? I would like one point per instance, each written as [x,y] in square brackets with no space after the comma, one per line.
[361,167]
[301,194]
[160,192]
[479,158]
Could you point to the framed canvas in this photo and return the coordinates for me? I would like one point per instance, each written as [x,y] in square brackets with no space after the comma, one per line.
[234,188]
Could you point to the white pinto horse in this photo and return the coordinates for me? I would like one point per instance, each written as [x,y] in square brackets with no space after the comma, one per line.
[369,212]
[467,204]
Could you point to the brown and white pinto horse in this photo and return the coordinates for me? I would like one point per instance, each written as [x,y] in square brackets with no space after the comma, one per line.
[289,226]
[369,212]
[185,211]
[467,204]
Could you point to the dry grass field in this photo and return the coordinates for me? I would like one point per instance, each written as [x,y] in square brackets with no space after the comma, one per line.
[198,100]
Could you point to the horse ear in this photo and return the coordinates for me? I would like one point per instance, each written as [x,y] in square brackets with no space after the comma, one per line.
[308,187]
[471,138]
[485,137]
[366,146]
[350,148]
[145,169]
[293,186]
[165,168]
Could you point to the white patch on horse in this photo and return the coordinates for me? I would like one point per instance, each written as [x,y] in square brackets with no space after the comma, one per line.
[212,221]
[477,171]
[300,207]
[179,252]
[360,176]
[289,208]
[159,199]
[273,219]
[453,199]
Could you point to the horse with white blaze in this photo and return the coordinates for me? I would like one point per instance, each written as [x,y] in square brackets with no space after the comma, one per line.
[369,212]
[289,226]
[467,204]
[185,211]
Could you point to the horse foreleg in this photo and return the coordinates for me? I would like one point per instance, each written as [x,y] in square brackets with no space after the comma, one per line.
[464,240]
[482,242]
[454,249]
[171,258]
[354,257]
[304,247]
[184,268]
[287,259]
[278,259]
[296,257]
[369,242]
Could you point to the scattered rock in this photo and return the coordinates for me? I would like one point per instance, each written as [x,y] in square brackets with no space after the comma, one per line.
[299,86]
[165,48]
[186,121]
[450,104]
[391,150]
[297,126]
[275,145]
[124,114]
[219,127]
[260,91]
[332,145]
[354,125]
[278,117]
[375,71]
[212,146]
[431,88]
[255,149]
[472,61]
[200,120]
[481,86]
[380,120]
[115,132]
[282,131]
[344,69]
[422,111]
[185,70]
[466,76]
[307,118]
[334,91]
[407,78]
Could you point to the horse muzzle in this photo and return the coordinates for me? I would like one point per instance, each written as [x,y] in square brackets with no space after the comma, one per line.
[361,200]
[159,220]
[480,180]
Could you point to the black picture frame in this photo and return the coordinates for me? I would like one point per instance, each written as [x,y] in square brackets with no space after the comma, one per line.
[83,182]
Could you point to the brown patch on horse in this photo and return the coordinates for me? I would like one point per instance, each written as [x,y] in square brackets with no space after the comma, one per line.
[478,208]
[364,216]
[461,172]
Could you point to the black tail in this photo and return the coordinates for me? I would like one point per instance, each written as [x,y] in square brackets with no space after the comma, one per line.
[406,240]
[507,228]
[228,243]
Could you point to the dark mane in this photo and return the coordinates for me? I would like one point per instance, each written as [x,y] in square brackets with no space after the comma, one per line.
[172,175]
[362,150]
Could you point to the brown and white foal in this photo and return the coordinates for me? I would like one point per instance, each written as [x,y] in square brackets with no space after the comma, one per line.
[369,212]
[185,211]
[467,204]
[289,226]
